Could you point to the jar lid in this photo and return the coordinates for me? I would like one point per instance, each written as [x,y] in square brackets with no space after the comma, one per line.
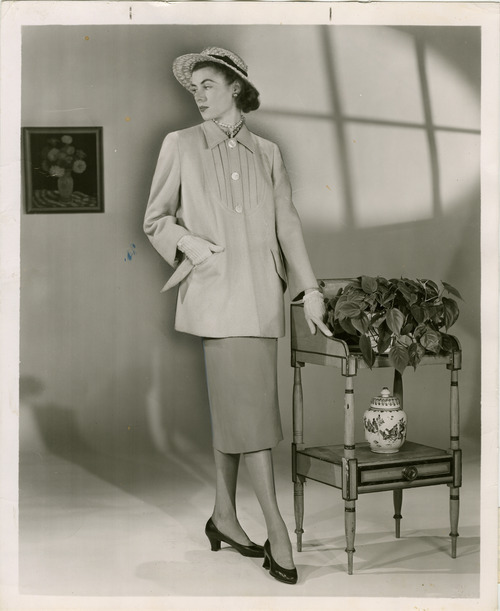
[385,400]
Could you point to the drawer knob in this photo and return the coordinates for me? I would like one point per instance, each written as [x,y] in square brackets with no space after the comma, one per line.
[410,473]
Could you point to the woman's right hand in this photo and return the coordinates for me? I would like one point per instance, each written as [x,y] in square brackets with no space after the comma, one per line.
[314,312]
[197,249]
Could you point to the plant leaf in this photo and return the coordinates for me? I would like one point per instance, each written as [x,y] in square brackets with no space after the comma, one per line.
[434,289]
[426,313]
[415,352]
[408,328]
[395,319]
[361,324]
[451,312]
[346,324]
[431,340]
[377,319]
[417,313]
[347,309]
[448,343]
[451,289]
[416,285]
[384,341]
[369,284]
[405,291]
[399,357]
[405,340]
[420,330]
[366,350]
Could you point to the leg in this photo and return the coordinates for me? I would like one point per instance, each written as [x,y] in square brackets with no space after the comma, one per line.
[454,509]
[260,467]
[224,515]
[298,506]
[398,502]
[350,530]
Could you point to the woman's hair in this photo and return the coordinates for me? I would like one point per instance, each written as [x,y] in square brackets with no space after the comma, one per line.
[248,97]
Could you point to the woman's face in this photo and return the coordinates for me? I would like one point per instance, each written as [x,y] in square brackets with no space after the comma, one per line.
[213,96]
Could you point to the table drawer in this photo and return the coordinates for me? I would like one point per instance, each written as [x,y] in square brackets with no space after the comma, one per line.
[414,472]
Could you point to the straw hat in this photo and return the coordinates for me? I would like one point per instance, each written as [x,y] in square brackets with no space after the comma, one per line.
[183,65]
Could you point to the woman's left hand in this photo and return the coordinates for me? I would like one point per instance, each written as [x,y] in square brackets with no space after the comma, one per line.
[314,312]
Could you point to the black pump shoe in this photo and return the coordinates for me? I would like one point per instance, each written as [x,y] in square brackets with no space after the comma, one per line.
[275,570]
[216,537]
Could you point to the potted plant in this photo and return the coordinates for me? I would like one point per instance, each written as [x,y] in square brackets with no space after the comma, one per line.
[402,318]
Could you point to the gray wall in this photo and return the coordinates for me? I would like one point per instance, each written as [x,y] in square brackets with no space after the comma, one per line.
[379,128]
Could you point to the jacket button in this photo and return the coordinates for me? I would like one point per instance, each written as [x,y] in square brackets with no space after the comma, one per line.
[235,175]
[239,209]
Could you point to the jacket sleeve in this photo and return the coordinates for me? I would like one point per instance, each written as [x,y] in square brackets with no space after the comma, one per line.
[160,221]
[289,232]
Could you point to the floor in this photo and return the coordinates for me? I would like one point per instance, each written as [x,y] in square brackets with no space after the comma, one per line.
[96,525]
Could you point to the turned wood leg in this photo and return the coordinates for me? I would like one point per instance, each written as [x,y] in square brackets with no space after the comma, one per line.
[349,465]
[298,505]
[457,459]
[398,503]
[350,531]
[397,496]
[454,510]
[298,406]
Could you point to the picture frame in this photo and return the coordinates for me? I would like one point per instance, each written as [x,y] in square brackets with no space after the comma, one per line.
[63,169]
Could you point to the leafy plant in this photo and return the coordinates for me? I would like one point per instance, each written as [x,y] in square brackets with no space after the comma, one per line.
[403,318]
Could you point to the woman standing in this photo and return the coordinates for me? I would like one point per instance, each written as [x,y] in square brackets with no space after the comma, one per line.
[220,211]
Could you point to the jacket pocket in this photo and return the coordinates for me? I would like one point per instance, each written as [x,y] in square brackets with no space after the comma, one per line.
[280,267]
[186,268]
[182,271]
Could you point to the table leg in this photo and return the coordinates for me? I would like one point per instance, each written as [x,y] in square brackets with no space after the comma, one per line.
[454,510]
[457,461]
[398,503]
[350,531]
[298,406]
[349,477]
[298,505]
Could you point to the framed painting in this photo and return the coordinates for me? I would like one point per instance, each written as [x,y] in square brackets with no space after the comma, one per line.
[63,169]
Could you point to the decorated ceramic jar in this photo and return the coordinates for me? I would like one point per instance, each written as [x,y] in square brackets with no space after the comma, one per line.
[385,423]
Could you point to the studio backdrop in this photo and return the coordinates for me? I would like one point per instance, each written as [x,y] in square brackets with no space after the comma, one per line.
[379,130]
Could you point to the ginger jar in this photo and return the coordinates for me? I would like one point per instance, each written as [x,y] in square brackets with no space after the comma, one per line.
[385,423]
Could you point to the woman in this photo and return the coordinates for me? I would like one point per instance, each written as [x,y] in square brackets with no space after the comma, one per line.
[220,212]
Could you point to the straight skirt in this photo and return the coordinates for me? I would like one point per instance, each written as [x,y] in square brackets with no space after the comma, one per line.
[243,393]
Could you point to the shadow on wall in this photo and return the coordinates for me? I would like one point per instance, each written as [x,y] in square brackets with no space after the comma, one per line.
[46,427]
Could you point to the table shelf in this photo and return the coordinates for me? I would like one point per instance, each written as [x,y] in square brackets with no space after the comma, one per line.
[415,465]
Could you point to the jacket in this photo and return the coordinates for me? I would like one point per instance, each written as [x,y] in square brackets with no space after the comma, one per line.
[237,292]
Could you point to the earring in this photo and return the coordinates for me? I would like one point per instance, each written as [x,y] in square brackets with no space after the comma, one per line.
[235,94]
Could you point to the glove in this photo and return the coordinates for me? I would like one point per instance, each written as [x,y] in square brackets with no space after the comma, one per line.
[197,249]
[314,312]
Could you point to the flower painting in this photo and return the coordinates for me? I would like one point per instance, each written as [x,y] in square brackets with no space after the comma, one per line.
[63,169]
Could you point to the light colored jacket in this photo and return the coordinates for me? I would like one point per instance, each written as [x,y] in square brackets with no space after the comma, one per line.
[237,292]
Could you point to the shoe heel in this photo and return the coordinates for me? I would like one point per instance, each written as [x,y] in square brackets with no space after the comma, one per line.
[214,544]
[267,564]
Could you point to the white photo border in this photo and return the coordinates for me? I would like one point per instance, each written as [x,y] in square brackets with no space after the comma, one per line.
[15,15]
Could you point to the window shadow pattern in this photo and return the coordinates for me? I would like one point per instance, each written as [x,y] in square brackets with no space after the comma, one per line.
[340,119]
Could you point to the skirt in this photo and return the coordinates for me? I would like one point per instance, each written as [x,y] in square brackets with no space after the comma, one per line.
[243,393]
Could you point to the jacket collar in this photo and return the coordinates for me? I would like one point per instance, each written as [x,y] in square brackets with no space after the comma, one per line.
[215,136]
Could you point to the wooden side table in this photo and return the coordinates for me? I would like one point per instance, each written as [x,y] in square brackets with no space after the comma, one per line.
[352,468]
